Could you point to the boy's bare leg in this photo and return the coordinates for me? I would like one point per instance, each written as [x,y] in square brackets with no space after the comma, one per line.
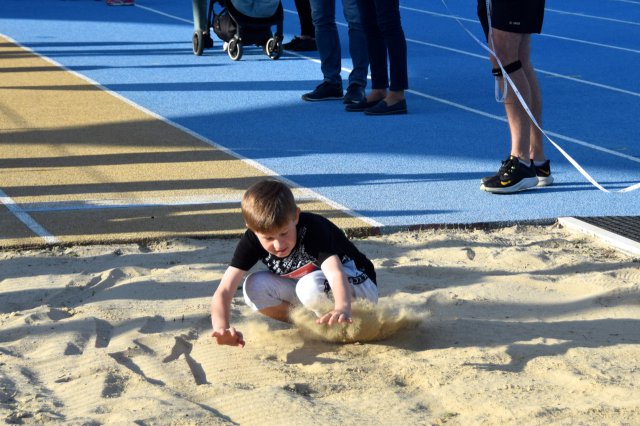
[278,312]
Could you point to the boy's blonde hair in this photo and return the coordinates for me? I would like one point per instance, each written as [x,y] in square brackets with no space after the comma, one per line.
[268,205]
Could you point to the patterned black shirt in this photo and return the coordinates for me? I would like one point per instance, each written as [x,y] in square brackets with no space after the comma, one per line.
[317,239]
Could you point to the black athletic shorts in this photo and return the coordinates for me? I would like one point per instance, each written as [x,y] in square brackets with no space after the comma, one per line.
[515,16]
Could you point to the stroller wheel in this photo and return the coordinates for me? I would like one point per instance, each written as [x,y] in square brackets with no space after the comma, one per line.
[198,43]
[273,48]
[234,49]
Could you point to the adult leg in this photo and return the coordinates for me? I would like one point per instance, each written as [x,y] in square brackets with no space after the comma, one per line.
[307,40]
[536,145]
[388,18]
[307,30]
[278,312]
[323,13]
[357,43]
[506,46]
[376,50]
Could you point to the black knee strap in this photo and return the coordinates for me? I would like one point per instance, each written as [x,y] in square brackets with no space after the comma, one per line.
[511,68]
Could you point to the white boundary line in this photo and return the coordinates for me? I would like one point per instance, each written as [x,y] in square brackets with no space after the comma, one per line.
[624,244]
[25,218]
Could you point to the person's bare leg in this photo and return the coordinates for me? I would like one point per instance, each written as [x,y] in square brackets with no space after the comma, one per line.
[278,312]
[507,47]
[394,96]
[376,95]
[536,142]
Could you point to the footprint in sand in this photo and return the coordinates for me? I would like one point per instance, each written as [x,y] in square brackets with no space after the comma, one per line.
[183,347]
[103,333]
[125,359]
[114,385]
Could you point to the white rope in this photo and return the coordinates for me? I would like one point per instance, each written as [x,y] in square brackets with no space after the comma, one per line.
[507,80]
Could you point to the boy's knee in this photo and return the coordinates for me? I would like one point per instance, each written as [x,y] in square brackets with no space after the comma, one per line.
[252,284]
[260,290]
[508,68]
[313,290]
[251,290]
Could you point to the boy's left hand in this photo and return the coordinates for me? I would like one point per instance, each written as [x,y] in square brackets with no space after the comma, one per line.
[335,317]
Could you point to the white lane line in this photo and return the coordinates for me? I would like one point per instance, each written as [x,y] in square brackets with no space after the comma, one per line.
[590,43]
[561,12]
[585,15]
[502,118]
[25,218]
[108,204]
[188,21]
[543,34]
[541,71]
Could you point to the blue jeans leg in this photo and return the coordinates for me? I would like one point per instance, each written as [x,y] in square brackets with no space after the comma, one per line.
[323,13]
[357,43]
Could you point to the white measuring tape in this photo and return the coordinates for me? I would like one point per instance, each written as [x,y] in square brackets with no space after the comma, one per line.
[508,82]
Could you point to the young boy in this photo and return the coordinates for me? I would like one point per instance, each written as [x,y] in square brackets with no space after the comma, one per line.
[310,261]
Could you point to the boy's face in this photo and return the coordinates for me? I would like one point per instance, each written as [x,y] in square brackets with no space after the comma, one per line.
[280,242]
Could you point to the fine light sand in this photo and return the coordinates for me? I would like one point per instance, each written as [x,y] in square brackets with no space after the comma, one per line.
[523,325]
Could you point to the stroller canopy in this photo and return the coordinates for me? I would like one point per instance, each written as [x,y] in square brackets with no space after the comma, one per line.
[256,8]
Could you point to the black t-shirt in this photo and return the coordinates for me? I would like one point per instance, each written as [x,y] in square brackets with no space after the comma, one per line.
[317,240]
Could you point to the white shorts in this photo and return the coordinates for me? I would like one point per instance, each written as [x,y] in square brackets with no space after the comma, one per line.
[264,288]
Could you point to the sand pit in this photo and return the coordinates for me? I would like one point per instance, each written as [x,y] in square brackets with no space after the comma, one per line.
[371,322]
[523,325]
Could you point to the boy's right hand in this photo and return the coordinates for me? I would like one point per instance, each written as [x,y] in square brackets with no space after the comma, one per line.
[228,336]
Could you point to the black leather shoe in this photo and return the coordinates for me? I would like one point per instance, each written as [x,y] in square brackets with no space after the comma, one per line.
[207,41]
[324,92]
[299,44]
[381,108]
[360,106]
[354,95]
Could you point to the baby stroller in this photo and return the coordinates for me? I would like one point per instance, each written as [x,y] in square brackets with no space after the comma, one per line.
[241,23]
